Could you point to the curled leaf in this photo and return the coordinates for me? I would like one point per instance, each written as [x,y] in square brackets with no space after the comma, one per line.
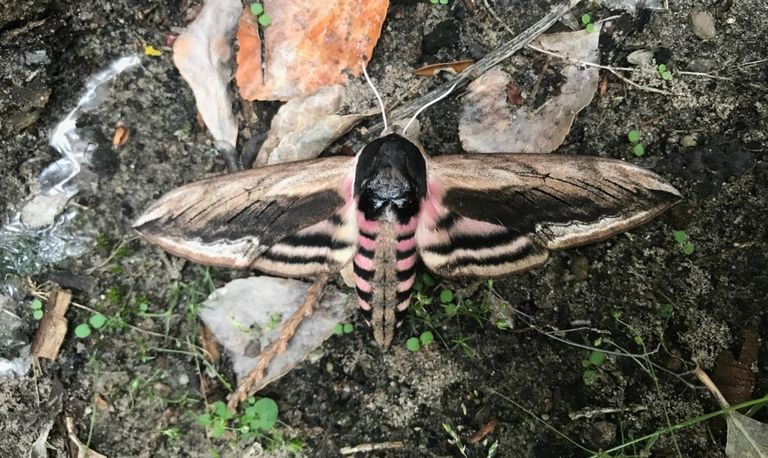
[489,123]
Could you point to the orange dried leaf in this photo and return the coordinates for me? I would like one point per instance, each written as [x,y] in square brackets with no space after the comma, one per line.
[120,136]
[483,432]
[450,67]
[308,45]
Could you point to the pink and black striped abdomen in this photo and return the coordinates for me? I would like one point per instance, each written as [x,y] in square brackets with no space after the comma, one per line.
[385,268]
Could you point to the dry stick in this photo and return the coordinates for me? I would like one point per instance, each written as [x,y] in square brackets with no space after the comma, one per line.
[604,67]
[589,64]
[365,448]
[484,64]
[723,78]
[287,330]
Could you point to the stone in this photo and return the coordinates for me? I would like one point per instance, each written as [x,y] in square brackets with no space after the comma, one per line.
[702,25]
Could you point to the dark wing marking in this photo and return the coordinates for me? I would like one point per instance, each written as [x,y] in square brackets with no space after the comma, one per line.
[496,214]
[287,219]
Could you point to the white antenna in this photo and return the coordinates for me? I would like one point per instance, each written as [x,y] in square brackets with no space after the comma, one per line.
[376,93]
[418,112]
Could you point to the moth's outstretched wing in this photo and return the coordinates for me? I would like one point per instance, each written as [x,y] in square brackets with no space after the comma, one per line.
[496,214]
[292,219]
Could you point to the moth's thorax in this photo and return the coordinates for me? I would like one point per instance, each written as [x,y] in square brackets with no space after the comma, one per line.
[390,177]
[385,267]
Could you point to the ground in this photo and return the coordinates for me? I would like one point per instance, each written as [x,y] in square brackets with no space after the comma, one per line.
[138,393]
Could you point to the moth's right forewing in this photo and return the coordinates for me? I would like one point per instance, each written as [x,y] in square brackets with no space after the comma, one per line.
[511,208]
[235,220]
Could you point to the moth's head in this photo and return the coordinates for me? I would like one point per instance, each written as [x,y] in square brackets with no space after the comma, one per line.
[391,173]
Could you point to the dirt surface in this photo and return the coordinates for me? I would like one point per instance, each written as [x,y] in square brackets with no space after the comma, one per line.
[135,388]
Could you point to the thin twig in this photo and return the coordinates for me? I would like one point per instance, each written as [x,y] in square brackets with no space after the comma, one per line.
[589,413]
[577,61]
[484,64]
[589,64]
[112,255]
[366,448]
[287,330]
[135,328]
[723,78]
[754,62]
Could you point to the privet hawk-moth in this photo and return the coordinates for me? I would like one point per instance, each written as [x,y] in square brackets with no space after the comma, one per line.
[391,205]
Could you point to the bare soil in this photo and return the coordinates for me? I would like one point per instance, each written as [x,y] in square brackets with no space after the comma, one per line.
[137,393]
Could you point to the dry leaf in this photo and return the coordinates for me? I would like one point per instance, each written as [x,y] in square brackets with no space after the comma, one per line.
[305,126]
[450,67]
[209,344]
[735,379]
[489,124]
[120,136]
[81,450]
[308,45]
[202,53]
[747,438]
[245,316]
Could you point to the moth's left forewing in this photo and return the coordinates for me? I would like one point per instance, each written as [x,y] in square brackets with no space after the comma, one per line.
[491,215]
[289,219]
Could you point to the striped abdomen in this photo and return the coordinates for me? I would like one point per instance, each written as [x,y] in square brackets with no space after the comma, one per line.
[385,268]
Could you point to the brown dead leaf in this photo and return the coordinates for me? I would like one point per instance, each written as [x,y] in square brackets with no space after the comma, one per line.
[490,124]
[305,126]
[514,94]
[450,67]
[308,45]
[202,55]
[209,344]
[101,403]
[120,137]
[484,431]
[76,447]
[602,88]
[735,379]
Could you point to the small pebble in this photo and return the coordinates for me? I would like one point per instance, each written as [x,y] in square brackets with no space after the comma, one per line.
[701,65]
[183,379]
[580,268]
[640,57]
[688,141]
[702,25]
[603,434]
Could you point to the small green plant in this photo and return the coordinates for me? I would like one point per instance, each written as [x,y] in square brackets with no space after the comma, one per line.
[664,72]
[37,309]
[455,439]
[96,321]
[416,343]
[634,137]
[339,329]
[257,9]
[595,359]
[682,239]
[426,338]
[435,2]
[446,300]
[258,416]
[665,311]
[586,20]
[173,433]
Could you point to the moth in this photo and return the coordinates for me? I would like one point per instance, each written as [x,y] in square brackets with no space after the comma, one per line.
[380,212]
